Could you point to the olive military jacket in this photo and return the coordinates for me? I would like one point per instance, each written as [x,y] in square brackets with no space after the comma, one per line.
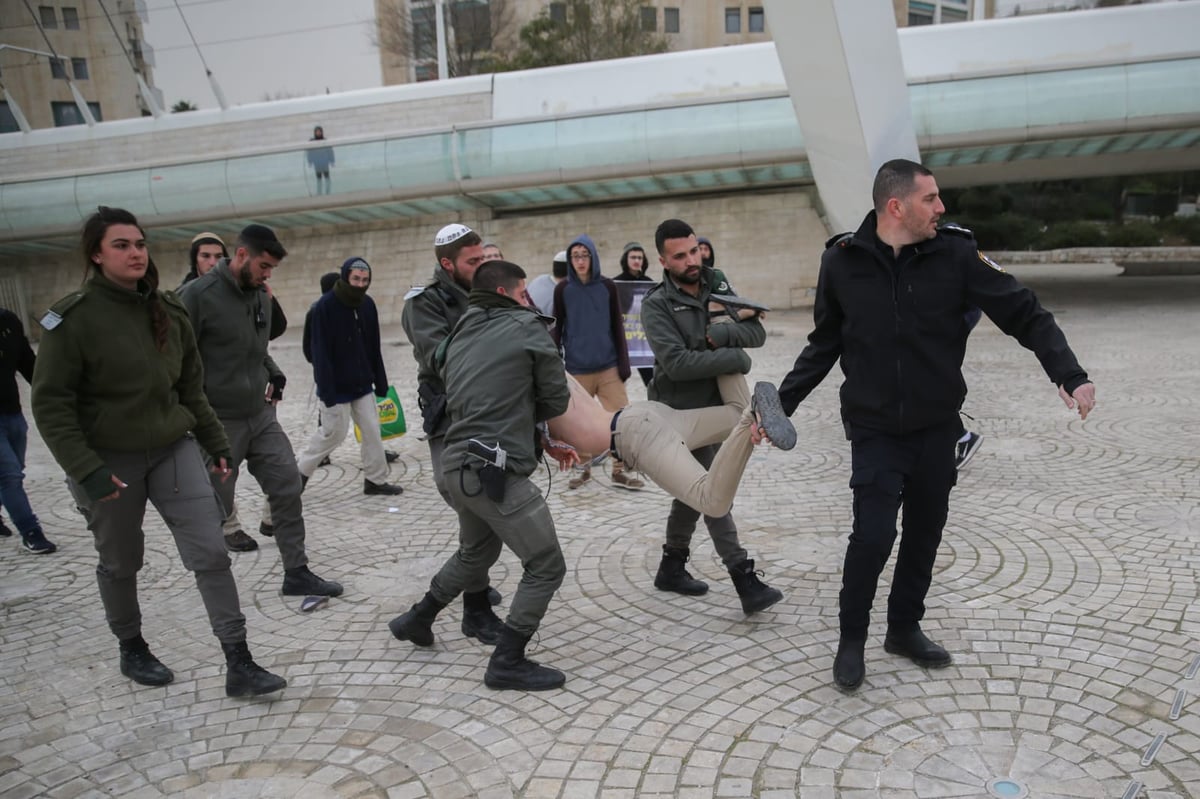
[101,384]
[503,375]
[430,313]
[678,327]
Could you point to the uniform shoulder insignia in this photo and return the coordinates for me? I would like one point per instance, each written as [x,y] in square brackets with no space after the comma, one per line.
[989,261]
[840,240]
[173,299]
[957,230]
[53,317]
[415,291]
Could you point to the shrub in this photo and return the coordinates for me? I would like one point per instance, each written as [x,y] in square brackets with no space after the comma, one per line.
[1004,232]
[1134,234]
[1071,234]
[1184,227]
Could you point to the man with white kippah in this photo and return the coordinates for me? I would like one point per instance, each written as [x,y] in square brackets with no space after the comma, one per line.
[541,288]
[430,313]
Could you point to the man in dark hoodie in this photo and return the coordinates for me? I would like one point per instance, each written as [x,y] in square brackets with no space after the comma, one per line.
[16,356]
[590,330]
[633,268]
[342,338]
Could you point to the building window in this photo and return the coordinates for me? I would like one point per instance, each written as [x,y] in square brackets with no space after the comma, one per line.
[733,20]
[757,21]
[8,120]
[46,13]
[70,18]
[649,18]
[920,14]
[558,13]
[424,32]
[79,68]
[671,20]
[68,114]
[58,68]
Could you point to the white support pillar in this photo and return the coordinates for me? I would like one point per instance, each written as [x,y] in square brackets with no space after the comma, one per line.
[841,60]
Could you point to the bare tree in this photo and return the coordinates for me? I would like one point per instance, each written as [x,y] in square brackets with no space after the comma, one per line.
[407,29]
[586,30]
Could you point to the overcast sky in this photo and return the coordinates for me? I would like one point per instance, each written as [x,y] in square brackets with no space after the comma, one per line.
[257,48]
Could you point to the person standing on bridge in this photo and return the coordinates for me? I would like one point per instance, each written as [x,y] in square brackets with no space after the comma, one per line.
[890,304]
[320,158]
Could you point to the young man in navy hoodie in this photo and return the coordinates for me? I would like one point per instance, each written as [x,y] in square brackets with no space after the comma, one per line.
[590,329]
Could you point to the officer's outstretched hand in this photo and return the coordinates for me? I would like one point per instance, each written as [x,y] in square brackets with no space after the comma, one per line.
[1084,398]
[565,454]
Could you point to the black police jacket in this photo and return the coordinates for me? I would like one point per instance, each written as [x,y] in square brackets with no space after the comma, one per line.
[900,332]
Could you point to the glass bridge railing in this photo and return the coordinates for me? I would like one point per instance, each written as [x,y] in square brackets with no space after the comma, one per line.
[716,135]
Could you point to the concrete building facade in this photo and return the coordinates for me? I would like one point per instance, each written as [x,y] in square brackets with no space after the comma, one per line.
[686,24]
[96,51]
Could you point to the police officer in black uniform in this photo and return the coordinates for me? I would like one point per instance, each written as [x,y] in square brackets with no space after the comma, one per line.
[890,303]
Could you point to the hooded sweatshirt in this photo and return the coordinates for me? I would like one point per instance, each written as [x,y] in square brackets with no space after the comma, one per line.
[589,326]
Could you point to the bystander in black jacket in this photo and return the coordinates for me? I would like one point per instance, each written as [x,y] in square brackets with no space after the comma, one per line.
[15,356]
[898,326]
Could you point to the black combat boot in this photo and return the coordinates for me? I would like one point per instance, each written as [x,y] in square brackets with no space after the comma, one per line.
[417,624]
[300,581]
[756,595]
[509,668]
[848,666]
[673,574]
[479,620]
[140,665]
[244,677]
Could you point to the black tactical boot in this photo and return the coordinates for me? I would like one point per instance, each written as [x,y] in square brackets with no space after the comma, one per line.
[493,596]
[848,666]
[509,668]
[140,665]
[300,581]
[756,595]
[417,624]
[244,677]
[479,620]
[673,574]
[913,644]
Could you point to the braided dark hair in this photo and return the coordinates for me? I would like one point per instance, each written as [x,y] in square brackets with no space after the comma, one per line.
[94,229]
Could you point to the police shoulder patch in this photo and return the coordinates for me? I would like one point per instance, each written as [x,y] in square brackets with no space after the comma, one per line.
[53,317]
[989,261]
[840,240]
[957,230]
[415,291]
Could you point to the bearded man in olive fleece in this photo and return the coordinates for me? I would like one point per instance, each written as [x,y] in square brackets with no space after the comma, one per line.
[230,311]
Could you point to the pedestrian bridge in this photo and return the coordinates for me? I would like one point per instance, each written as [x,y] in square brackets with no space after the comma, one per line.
[1065,95]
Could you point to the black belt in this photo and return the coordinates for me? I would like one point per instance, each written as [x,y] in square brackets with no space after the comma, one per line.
[612,439]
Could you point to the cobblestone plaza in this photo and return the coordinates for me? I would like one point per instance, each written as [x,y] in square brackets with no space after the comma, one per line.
[1066,588]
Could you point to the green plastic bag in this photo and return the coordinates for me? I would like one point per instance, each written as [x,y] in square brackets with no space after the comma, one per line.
[391,417]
